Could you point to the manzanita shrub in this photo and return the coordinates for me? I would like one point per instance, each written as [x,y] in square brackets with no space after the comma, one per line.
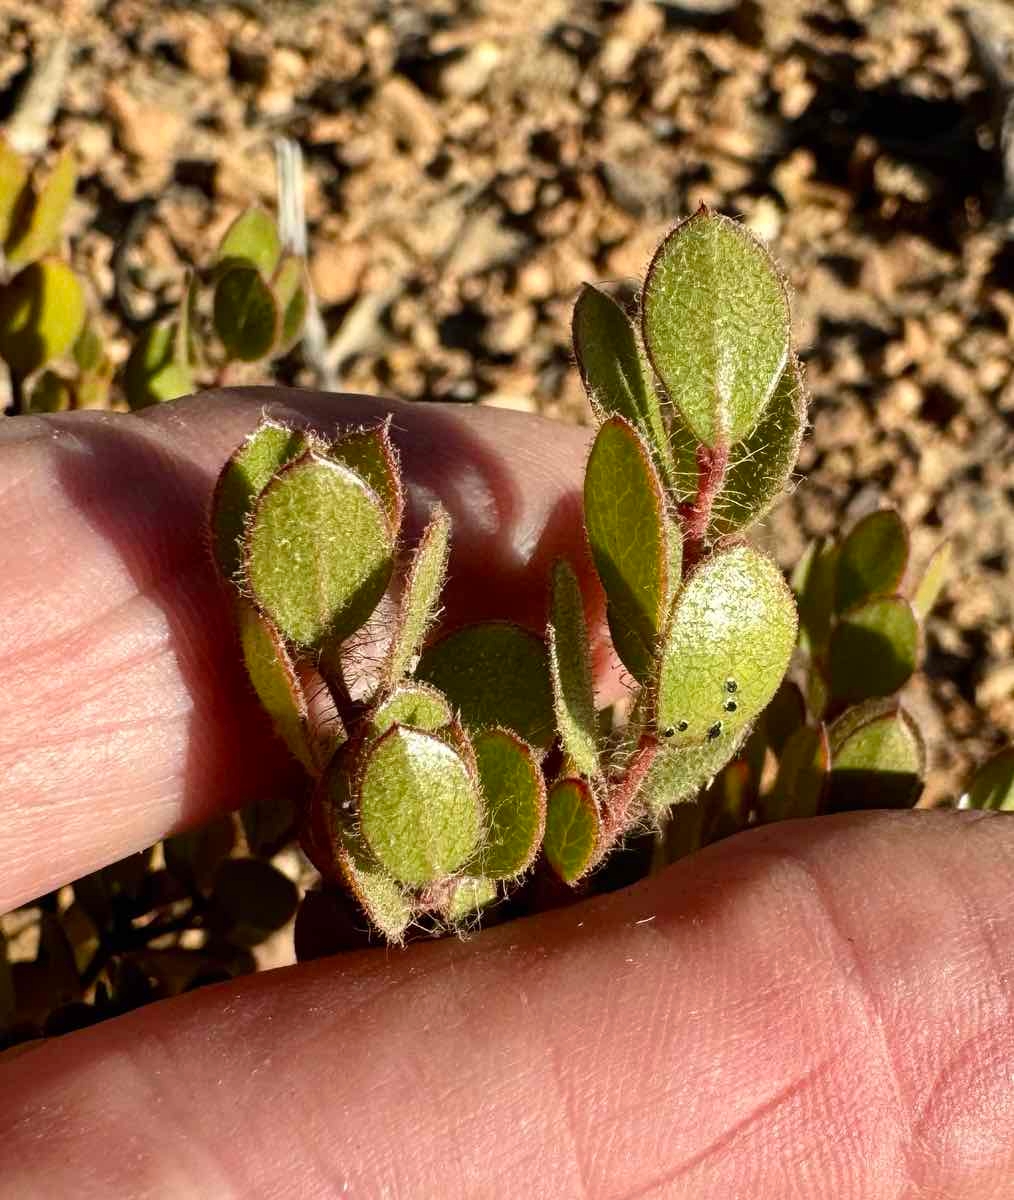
[440,773]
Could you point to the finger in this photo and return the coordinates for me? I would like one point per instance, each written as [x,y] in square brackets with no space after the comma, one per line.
[124,711]
[818,1009]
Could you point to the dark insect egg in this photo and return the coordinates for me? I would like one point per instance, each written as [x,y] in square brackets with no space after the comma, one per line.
[731,685]
[730,706]
[715,731]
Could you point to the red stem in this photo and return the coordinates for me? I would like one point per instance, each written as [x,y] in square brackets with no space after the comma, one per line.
[712,463]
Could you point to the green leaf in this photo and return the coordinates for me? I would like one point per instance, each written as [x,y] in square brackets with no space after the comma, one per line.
[421,596]
[252,899]
[813,581]
[194,856]
[41,313]
[419,807]
[13,178]
[878,759]
[515,803]
[39,229]
[727,648]
[783,716]
[469,896]
[252,239]
[872,559]
[934,577]
[319,551]
[244,314]
[802,776]
[874,649]
[247,473]
[268,825]
[993,784]
[410,703]
[716,325]
[573,828]
[153,374]
[679,774]
[761,465]
[624,511]
[495,674]
[274,679]
[380,897]
[371,454]
[613,370]
[292,298]
[88,348]
[571,673]
[50,393]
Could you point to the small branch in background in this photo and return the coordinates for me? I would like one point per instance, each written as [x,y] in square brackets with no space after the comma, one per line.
[292,229]
[28,129]
[991,32]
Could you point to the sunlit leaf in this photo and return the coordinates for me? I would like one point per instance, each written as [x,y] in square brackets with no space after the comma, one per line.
[716,325]
[933,580]
[292,298]
[41,313]
[243,478]
[383,901]
[252,239]
[878,759]
[468,898]
[421,596]
[874,649]
[628,530]
[153,374]
[13,178]
[494,673]
[573,827]
[245,314]
[727,648]
[37,226]
[371,454]
[993,784]
[679,773]
[319,551]
[571,672]
[410,703]
[419,809]
[515,802]
[872,559]
[813,581]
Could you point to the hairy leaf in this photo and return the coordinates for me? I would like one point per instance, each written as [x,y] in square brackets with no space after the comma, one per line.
[877,762]
[381,898]
[421,596]
[571,673]
[716,325]
[872,559]
[153,374]
[494,673]
[371,454]
[41,313]
[613,370]
[761,465]
[245,314]
[573,827]
[515,801]
[727,648]
[874,649]
[274,679]
[243,478]
[319,551]
[410,703]
[628,530]
[993,784]
[468,898]
[679,773]
[419,808]
[934,577]
[36,228]
[251,239]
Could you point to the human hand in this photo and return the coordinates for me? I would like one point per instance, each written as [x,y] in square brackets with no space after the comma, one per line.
[813,1009]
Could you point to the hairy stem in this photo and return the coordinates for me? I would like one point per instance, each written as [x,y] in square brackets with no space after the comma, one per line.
[712,463]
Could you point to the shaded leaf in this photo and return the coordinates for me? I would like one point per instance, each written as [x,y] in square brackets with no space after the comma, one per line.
[50,393]
[624,512]
[292,298]
[761,465]
[494,673]
[421,596]
[380,897]
[419,808]
[410,703]
[195,855]
[515,803]
[934,577]
[88,349]
[993,784]
[874,649]
[37,226]
[319,551]
[615,375]
[371,454]
[13,178]
[716,325]
[813,581]
[56,957]
[878,759]
[273,675]
[153,374]
[727,648]
[783,716]
[7,1001]
[571,672]
[253,899]
[251,239]
[329,922]
[244,314]
[243,478]
[802,776]
[872,559]
[41,313]
[573,827]
[268,825]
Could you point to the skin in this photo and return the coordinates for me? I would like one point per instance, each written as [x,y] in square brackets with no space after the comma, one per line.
[814,1009]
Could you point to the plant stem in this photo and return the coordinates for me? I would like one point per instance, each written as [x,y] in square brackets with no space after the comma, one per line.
[712,463]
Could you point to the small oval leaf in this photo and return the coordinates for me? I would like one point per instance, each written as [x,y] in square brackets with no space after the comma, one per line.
[727,648]
[371,454]
[993,785]
[802,776]
[874,649]
[153,374]
[421,596]
[244,314]
[38,230]
[42,311]
[678,774]
[515,802]
[571,673]
[292,297]
[573,826]
[419,808]
[933,579]
[13,195]
[716,325]
[319,551]
[872,559]
[253,898]
[813,581]
[875,763]
[251,239]
[410,703]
